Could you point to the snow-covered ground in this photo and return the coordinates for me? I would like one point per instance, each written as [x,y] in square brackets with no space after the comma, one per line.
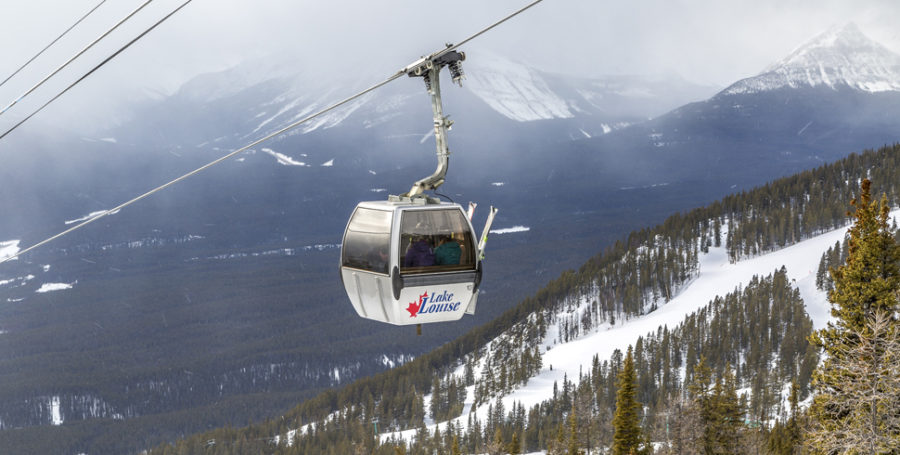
[283,159]
[55,416]
[717,278]
[511,230]
[516,91]
[86,217]
[8,248]
[50,287]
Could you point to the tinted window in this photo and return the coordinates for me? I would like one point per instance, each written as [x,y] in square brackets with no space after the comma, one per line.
[367,241]
[435,241]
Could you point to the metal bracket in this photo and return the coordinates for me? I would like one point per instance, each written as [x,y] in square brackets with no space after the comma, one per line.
[429,70]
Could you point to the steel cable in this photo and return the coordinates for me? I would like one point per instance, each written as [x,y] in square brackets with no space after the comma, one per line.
[95,68]
[82,51]
[283,130]
[51,43]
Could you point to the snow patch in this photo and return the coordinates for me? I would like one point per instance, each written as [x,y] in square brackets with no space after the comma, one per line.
[88,216]
[278,252]
[283,159]
[50,287]
[516,91]
[8,249]
[328,163]
[498,183]
[511,230]
[55,416]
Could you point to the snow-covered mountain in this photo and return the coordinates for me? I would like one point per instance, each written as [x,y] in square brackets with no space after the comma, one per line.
[516,91]
[837,94]
[513,90]
[842,56]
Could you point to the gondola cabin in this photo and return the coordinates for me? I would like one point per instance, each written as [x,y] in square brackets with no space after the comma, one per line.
[410,262]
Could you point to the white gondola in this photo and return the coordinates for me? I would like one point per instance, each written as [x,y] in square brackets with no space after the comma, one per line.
[406,263]
[413,259]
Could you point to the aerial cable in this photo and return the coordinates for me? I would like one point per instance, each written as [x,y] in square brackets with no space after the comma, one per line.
[82,51]
[95,68]
[51,43]
[398,74]
[204,167]
[488,28]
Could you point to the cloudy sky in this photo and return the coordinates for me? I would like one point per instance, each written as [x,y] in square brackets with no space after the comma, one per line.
[711,42]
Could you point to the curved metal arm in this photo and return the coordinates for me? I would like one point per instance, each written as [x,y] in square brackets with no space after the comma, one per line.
[430,70]
[441,125]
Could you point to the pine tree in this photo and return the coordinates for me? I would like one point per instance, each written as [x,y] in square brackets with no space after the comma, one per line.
[727,422]
[857,404]
[557,445]
[626,422]
[792,441]
[496,446]
[514,447]
[869,281]
[573,434]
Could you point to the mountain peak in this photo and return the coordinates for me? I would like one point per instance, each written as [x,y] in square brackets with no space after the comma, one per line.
[840,57]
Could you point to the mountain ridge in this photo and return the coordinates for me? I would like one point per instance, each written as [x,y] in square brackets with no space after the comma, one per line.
[841,56]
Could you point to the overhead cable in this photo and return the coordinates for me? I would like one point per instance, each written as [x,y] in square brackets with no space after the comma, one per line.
[82,51]
[281,131]
[95,68]
[51,43]
[488,28]
[201,168]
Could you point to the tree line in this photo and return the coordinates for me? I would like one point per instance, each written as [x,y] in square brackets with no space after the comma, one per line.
[766,218]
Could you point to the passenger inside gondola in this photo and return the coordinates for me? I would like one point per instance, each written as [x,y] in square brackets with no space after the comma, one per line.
[419,253]
[447,252]
[435,241]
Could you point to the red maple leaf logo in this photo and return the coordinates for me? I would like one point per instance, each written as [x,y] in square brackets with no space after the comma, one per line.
[413,308]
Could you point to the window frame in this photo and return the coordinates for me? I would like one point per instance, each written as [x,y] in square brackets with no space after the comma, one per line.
[353,259]
[458,227]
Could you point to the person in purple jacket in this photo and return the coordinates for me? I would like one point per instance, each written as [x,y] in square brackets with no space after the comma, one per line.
[419,253]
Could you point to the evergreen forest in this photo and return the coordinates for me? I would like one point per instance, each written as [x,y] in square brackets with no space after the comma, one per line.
[728,379]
